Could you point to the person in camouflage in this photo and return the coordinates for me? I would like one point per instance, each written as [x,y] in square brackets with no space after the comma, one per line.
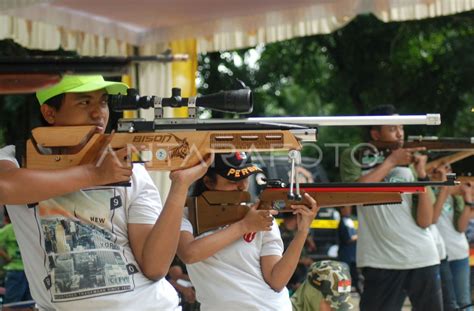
[327,287]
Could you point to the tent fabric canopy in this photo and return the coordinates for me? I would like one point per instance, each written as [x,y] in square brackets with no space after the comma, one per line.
[112,27]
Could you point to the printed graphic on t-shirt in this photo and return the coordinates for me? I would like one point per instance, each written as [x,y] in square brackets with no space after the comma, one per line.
[399,174]
[395,179]
[448,206]
[83,259]
[248,237]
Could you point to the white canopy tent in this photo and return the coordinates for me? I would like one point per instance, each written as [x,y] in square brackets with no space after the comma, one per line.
[116,27]
[108,27]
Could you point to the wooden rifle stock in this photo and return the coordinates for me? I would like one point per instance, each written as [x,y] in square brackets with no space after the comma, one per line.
[166,150]
[214,209]
[449,159]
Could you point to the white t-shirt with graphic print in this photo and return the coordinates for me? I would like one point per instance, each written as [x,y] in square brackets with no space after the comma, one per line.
[76,251]
[232,279]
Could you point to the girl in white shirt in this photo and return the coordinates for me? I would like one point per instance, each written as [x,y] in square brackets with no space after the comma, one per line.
[242,266]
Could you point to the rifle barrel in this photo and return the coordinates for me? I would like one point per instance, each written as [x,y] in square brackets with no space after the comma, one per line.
[416,138]
[440,145]
[428,119]
[432,145]
[407,186]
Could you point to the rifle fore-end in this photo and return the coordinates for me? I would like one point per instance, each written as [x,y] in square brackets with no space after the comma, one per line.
[164,150]
[279,198]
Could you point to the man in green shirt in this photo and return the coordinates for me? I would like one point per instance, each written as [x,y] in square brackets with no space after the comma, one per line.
[395,248]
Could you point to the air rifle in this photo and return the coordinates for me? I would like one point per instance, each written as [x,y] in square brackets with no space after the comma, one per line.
[374,152]
[180,143]
[214,209]
[430,143]
[461,163]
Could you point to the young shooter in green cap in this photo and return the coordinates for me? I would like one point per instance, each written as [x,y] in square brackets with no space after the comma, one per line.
[43,184]
[104,248]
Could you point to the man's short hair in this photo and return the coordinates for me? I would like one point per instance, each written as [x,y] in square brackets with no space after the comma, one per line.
[380,110]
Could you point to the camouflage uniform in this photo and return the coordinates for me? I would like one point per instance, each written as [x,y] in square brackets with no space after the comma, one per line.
[329,280]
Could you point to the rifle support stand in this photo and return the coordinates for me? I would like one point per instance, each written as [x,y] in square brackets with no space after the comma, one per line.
[294,157]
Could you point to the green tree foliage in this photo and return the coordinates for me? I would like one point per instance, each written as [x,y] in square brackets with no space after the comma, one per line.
[418,66]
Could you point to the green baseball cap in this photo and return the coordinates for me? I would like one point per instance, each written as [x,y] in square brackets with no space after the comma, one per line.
[81,84]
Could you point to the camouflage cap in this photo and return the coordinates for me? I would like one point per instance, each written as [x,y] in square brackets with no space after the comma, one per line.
[333,280]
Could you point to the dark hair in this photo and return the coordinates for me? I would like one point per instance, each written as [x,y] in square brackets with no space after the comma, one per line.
[199,186]
[380,110]
[55,102]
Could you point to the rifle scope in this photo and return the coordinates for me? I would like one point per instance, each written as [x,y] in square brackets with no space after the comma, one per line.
[237,101]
